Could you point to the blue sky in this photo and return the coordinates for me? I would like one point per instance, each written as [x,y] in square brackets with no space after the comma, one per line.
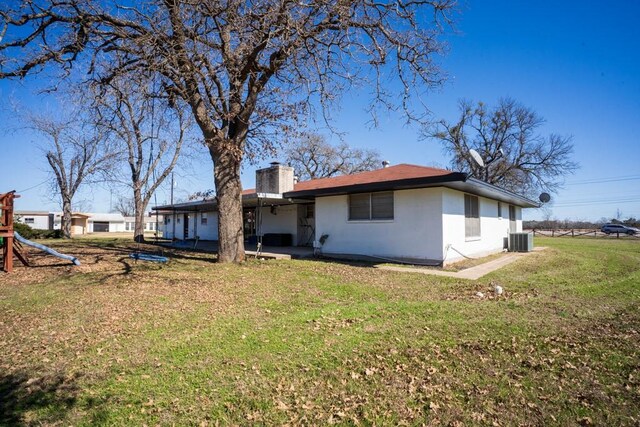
[577,63]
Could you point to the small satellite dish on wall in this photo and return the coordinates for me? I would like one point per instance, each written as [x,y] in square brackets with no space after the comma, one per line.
[476,157]
[544,197]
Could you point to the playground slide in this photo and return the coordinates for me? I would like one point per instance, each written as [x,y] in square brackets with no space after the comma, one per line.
[44,248]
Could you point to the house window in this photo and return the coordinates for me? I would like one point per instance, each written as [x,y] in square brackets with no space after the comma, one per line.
[499,210]
[371,206]
[203,218]
[167,220]
[512,213]
[29,220]
[471,216]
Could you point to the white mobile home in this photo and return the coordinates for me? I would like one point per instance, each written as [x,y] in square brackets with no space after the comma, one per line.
[403,212]
[38,220]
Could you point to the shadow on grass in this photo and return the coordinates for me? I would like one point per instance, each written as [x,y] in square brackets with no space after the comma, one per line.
[171,253]
[50,397]
[61,264]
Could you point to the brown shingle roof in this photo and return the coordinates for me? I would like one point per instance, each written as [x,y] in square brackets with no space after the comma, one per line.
[388,174]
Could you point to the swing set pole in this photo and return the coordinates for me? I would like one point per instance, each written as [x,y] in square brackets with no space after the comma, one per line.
[6,229]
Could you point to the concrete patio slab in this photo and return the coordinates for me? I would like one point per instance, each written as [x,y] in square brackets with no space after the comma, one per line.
[268,252]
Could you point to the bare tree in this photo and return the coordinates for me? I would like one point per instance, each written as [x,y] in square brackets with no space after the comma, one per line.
[148,132]
[247,69]
[516,157]
[125,206]
[75,153]
[313,157]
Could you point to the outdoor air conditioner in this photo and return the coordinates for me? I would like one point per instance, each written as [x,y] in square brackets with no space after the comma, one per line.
[520,242]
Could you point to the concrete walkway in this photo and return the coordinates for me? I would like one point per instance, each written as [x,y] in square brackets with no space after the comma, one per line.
[472,273]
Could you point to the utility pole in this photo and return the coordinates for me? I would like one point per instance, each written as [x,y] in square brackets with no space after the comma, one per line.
[173,220]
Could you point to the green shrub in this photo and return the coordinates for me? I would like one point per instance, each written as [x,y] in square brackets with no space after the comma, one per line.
[29,233]
[24,230]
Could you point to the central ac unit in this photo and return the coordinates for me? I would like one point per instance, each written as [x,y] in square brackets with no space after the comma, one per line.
[520,242]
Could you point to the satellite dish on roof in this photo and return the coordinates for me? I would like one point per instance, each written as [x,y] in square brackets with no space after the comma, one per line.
[544,197]
[476,157]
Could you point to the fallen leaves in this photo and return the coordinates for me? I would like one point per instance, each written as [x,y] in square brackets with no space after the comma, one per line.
[300,349]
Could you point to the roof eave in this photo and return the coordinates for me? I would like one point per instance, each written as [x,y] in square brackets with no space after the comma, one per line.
[482,188]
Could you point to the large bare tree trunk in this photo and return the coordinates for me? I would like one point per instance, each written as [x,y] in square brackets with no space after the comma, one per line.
[66,218]
[226,172]
[140,207]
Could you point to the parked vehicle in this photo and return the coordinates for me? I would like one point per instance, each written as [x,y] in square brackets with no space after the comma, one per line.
[619,228]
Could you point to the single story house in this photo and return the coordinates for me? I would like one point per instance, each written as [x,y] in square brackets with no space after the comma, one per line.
[83,223]
[150,222]
[402,212]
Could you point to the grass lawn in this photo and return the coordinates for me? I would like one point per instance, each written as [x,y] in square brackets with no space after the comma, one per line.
[309,342]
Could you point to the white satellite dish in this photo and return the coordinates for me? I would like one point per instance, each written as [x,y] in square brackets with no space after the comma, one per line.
[476,157]
[545,197]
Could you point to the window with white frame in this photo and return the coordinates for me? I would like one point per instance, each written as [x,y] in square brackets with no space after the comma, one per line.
[500,210]
[471,216]
[29,220]
[371,206]
[203,218]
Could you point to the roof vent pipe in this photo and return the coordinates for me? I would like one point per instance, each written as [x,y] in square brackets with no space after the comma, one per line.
[385,163]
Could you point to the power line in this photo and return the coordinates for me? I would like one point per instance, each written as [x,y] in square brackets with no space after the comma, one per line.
[35,186]
[597,202]
[598,198]
[604,180]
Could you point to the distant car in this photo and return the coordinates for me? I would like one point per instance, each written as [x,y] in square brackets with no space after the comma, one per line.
[619,228]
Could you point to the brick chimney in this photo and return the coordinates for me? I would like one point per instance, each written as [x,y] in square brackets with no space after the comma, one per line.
[276,179]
